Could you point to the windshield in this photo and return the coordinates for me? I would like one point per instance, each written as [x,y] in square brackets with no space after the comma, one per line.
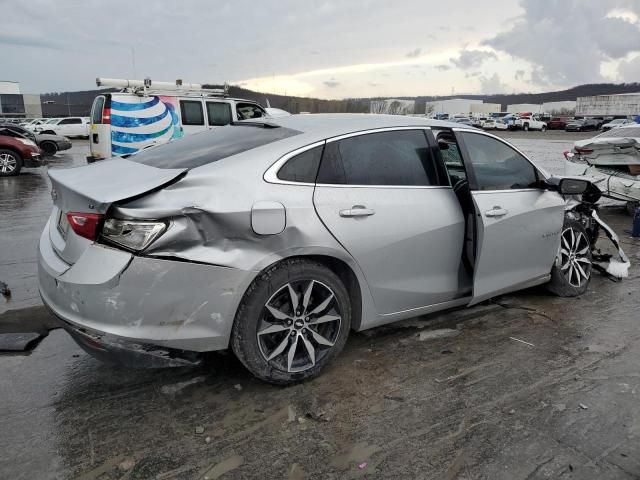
[210,146]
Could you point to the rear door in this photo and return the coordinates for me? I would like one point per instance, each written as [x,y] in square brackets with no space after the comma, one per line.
[192,116]
[518,223]
[70,127]
[100,128]
[381,196]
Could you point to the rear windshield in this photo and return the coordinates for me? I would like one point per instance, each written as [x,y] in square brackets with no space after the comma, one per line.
[623,132]
[210,146]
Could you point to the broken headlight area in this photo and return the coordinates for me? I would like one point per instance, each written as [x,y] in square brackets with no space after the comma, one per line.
[134,235]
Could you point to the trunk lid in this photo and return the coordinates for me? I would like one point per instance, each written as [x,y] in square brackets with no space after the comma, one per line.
[93,189]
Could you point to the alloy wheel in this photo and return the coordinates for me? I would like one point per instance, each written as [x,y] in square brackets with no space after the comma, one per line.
[8,163]
[299,325]
[575,264]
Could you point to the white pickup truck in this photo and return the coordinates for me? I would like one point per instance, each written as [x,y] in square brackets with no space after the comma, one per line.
[526,123]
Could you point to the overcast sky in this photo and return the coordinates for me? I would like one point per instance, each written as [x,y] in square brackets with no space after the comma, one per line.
[323,48]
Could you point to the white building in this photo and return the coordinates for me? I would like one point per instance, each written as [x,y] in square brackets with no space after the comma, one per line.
[524,107]
[9,88]
[451,106]
[557,107]
[481,108]
[392,106]
[622,104]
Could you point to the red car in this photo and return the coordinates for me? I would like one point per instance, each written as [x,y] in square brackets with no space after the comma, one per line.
[558,123]
[16,153]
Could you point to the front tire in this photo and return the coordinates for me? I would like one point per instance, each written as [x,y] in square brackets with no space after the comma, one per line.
[571,272]
[49,148]
[10,163]
[525,127]
[543,129]
[293,320]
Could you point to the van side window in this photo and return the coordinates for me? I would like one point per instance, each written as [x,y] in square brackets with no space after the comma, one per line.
[192,113]
[219,113]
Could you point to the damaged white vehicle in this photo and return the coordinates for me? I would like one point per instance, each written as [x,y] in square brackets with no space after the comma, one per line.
[611,160]
[277,239]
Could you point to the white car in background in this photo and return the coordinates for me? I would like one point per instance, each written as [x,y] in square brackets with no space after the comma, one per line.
[494,124]
[616,123]
[67,127]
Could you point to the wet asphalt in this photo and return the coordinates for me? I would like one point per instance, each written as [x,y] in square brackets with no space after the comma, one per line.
[477,403]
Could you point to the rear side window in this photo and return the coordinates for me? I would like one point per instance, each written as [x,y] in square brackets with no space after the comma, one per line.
[70,121]
[303,167]
[393,158]
[219,113]
[96,110]
[210,146]
[192,113]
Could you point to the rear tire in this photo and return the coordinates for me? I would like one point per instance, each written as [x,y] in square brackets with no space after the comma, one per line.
[543,129]
[572,270]
[525,127]
[10,163]
[49,148]
[282,345]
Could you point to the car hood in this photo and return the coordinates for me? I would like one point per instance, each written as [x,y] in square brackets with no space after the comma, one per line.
[95,187]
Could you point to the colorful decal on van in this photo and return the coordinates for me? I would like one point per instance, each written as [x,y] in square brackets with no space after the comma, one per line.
[137,122]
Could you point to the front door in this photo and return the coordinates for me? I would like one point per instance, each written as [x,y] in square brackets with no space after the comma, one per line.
[380,196]
[518,222]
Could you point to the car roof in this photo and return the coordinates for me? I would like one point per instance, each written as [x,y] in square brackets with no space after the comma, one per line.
[327,125]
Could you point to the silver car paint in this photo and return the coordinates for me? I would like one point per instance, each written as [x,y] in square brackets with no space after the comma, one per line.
[165,298]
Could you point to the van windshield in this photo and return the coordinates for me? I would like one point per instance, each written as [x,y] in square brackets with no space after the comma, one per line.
[210,146]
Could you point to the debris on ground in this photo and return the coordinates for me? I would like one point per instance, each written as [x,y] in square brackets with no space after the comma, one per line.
[394,398]
[363,465]
[176,387]
[583,406]
[127,464]
[207,440]
[440,333]
[223,467]
[19,342]
[199,430]
[522,341]
[291,414]
[512,411]
[5,291]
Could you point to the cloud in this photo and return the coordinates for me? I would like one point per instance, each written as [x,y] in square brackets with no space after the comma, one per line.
[472,74]
[414,53]
[519,75]
[472,58]
[331,83]
[443,68]
[492,85]
[566,41]
[629,70]
[373,84]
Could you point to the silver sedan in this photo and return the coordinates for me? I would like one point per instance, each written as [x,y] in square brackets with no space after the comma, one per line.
[277,239]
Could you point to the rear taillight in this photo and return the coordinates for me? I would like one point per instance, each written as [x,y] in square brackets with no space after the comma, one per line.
[106,116]
[584,151]
[85,224]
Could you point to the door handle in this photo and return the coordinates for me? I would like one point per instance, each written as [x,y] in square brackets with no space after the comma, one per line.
[496,212]
[357,211]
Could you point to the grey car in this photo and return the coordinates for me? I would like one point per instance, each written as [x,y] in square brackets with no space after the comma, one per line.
[49,144]
[277,239]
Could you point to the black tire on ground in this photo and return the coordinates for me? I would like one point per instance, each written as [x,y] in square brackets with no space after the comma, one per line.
[525,127]
[543,129]
[631,207]
[10,163]
[253,316]
[572,270]
[49,148]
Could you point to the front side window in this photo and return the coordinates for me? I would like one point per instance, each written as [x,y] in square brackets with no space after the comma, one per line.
[192,113]
[247,111]
[219,113]
[496,165]
[395,158]
[303,167]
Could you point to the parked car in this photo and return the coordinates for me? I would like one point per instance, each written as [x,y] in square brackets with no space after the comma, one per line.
[66,127]
[276,239]
[494,124]
[583,125]
[17,153]
[615,123]
[558,123]
[49,144]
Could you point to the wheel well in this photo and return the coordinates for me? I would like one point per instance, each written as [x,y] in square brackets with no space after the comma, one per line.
[12,150]
[347,276]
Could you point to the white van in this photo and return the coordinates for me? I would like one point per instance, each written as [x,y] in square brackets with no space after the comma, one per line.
[146,113]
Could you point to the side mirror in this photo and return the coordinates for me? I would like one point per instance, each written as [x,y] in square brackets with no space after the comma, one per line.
[571,186]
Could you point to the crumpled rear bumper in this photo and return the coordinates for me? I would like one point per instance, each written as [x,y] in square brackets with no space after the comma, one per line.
[113,301]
